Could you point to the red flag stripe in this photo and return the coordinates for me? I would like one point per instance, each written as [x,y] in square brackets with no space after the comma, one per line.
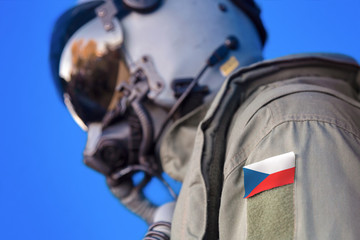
[275,180]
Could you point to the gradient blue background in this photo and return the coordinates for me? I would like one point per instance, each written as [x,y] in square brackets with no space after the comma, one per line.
[45,190]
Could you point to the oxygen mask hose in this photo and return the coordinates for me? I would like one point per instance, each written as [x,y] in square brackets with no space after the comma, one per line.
[161,228]
[133,198]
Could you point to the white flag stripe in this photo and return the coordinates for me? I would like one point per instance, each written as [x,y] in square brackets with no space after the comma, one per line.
[274,164]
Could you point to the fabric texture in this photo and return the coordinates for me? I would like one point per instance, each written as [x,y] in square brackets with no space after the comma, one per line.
[179,142]
[271,214]
[304,104]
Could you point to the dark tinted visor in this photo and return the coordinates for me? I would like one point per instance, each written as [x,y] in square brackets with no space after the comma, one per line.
[92,64]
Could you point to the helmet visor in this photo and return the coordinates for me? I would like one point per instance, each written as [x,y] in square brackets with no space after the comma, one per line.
[91,66]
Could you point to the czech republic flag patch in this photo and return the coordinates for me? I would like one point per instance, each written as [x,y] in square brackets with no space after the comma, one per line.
[269,173]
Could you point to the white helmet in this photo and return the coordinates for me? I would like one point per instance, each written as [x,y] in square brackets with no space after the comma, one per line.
[124,67]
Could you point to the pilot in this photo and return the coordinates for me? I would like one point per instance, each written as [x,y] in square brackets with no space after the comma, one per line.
[264,149]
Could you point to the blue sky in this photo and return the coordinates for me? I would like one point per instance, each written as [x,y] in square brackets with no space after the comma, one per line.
[45,190]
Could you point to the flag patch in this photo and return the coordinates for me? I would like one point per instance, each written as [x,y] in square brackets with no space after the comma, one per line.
[269,173]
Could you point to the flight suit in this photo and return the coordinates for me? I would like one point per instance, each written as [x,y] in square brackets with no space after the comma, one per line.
[304,104]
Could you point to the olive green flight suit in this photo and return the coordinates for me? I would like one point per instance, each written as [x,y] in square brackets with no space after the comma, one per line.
[306,104]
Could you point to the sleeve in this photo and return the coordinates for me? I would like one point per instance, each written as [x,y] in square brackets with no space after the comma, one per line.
[323,200]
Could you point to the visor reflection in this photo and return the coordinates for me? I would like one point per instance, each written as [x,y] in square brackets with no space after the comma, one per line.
[91,68]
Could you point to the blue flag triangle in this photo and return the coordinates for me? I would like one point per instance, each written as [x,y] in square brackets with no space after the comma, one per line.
[252,179]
